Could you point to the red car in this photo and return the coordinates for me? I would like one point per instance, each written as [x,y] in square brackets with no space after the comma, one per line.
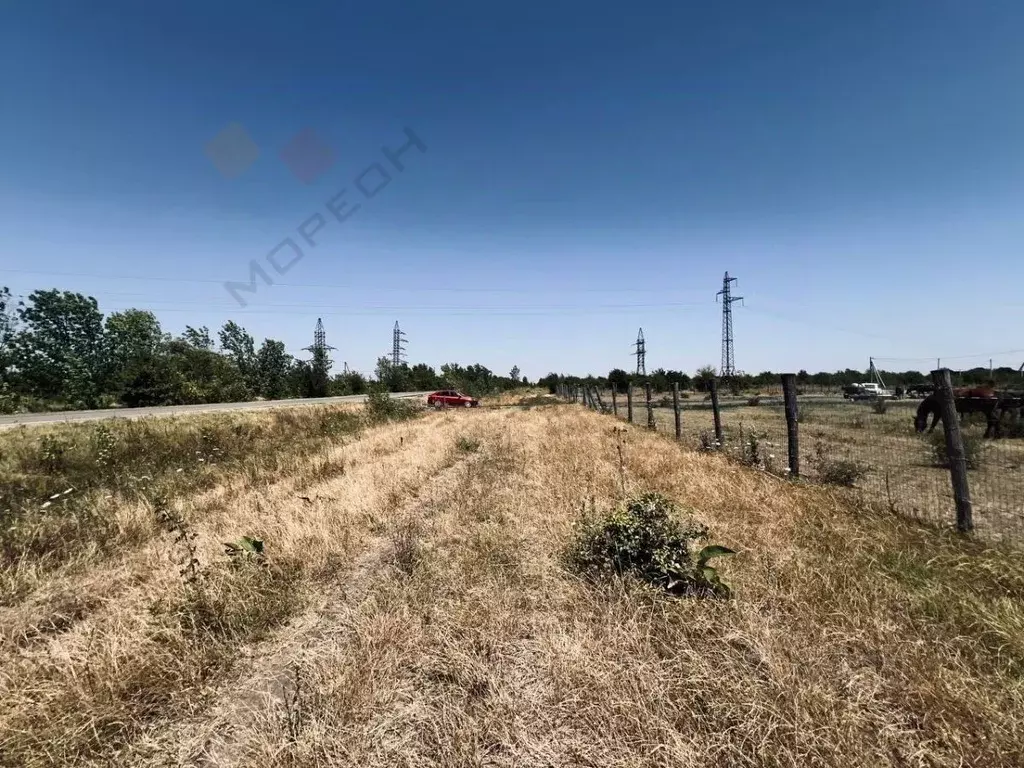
[449,398]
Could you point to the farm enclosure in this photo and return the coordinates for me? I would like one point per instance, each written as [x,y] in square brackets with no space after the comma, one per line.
[873,448]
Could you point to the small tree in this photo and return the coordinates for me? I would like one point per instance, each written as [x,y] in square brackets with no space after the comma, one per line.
[61,349]
[705,375]
[272,367]
[618,379]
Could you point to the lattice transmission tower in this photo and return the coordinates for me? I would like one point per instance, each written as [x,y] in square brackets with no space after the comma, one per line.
[319,341]
[397,346]
[728,354]
[641,354]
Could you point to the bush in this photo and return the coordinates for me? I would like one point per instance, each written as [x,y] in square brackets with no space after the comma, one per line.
[974,449]
[879,406]
[380,406]
[756,400]
[708,441]
[467,444]
[837,471]
[644,539]
[755,451]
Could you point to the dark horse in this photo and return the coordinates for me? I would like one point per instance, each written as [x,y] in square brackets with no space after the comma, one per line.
[978,400]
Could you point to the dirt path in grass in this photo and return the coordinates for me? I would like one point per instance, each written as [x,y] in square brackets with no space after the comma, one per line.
[265,681]
[321,518]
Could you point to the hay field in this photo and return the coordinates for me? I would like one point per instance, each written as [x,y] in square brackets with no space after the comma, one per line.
[413,611]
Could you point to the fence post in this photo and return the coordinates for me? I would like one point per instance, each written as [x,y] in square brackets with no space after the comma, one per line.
[719,438]
[597,394]
[792,423]
[675,407]
[954,450]
[615,402]
[650,408]
[629,402]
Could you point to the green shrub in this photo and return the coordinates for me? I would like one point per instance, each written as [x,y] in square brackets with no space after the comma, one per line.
[755,451]
[53,450]
[467,444]
[643,538]
[380,406]
[974,449]
[837,471]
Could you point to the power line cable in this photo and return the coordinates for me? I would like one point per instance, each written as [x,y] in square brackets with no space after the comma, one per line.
[163,278]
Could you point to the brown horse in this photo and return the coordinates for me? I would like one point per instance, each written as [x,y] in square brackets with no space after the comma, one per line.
[976,400]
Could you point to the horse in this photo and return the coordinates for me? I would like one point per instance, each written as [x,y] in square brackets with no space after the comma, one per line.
[975,400]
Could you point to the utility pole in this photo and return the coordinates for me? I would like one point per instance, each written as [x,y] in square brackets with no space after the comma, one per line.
[641,354]
[397,346]
[728,355]
[319,345]
[320,363]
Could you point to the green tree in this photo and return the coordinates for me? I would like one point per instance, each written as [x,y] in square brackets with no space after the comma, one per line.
[272,366]
[8,330]
[422,377]
[351,383]
[514,374]
[705,375]
[240,348]
[619,379]
[203,376]
[154,381]
[315,375]
[60,348]
[133,339]
[198,337]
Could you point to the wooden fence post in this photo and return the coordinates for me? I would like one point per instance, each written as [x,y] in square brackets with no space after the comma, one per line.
[675,407]
[615,402]
[792,423]
[629,402]
[954,450]
[650,408]
[600,403]
[719,438]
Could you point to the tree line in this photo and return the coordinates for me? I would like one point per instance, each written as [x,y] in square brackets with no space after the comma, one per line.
[661,380]
[58,350]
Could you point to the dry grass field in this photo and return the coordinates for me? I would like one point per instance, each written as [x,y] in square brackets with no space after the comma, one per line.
[412,607]
[892,464]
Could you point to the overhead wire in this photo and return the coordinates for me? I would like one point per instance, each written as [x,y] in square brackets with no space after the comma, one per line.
[391,288]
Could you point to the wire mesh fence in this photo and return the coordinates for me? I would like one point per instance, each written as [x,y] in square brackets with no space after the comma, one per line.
[871,447]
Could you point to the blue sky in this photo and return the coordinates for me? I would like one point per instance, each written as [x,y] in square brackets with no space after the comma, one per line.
[590,168]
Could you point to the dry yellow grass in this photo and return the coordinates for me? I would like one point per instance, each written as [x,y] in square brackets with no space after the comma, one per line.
[899,467]
[414,612]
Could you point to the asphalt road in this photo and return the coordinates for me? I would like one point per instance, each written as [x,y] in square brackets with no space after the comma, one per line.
[177,410]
